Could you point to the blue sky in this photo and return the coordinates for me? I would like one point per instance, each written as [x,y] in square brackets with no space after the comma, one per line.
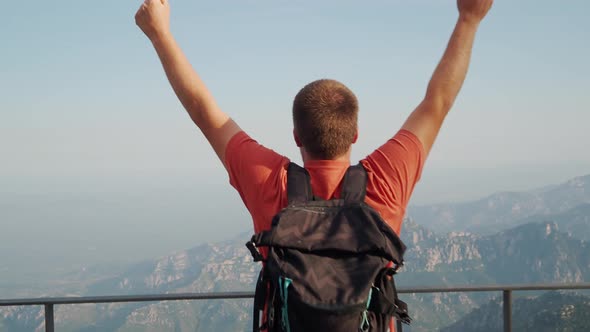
[87,119]
[83,92]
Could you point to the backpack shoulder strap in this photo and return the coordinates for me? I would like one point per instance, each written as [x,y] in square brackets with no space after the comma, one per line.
[354,185]
[298,184]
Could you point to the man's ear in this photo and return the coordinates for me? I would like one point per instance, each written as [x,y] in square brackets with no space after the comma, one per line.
[297,141]
[356,136]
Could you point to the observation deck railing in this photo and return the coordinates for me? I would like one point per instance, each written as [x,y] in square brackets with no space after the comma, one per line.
[507,290]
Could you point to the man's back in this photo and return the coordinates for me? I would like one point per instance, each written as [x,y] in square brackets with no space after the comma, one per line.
[260,174]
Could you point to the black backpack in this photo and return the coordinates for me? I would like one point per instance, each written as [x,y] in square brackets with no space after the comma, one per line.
[326,264]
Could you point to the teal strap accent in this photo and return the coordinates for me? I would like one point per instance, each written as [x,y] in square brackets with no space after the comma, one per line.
[365,325]
[284,284]
[365,322]
[369,299]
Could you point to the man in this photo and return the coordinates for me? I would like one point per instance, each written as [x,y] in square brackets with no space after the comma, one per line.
[325,126]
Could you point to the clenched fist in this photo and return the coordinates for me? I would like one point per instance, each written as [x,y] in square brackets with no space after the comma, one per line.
[474,10]
[153,18]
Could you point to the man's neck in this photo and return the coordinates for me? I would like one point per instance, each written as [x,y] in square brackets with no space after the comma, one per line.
[307,158]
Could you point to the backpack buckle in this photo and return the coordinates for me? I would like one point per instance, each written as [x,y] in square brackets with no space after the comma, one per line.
[254,251]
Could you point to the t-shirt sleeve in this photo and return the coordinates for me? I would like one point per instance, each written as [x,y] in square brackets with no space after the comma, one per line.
[397,165]
[254,171]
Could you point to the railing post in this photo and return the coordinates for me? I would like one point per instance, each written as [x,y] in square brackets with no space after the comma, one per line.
[49,318]
[507,310]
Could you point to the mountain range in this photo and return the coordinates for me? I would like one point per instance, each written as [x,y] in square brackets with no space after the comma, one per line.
[507,209]
[542,245]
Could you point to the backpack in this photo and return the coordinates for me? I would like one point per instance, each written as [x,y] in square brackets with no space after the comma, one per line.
[326,268]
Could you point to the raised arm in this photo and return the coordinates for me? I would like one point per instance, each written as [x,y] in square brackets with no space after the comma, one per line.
[153,17]
[446,82]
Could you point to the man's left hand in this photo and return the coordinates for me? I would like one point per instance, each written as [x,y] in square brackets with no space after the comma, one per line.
[153,18]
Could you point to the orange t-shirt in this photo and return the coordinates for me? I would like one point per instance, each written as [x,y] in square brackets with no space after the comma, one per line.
[260,177]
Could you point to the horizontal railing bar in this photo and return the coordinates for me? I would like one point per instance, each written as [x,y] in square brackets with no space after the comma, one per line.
[128,298]
[246,295]
[494,288]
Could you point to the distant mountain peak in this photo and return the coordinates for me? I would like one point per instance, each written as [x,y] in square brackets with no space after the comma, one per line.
[580,181]
[551,227]
[504,210]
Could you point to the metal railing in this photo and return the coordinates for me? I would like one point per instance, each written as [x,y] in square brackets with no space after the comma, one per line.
[50,302]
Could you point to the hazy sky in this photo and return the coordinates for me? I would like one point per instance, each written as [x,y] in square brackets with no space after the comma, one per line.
[93,141]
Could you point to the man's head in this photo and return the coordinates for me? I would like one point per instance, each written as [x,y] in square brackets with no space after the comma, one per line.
[325,116]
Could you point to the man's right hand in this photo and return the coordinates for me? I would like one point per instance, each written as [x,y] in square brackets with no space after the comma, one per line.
[153,18]
[474,10]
